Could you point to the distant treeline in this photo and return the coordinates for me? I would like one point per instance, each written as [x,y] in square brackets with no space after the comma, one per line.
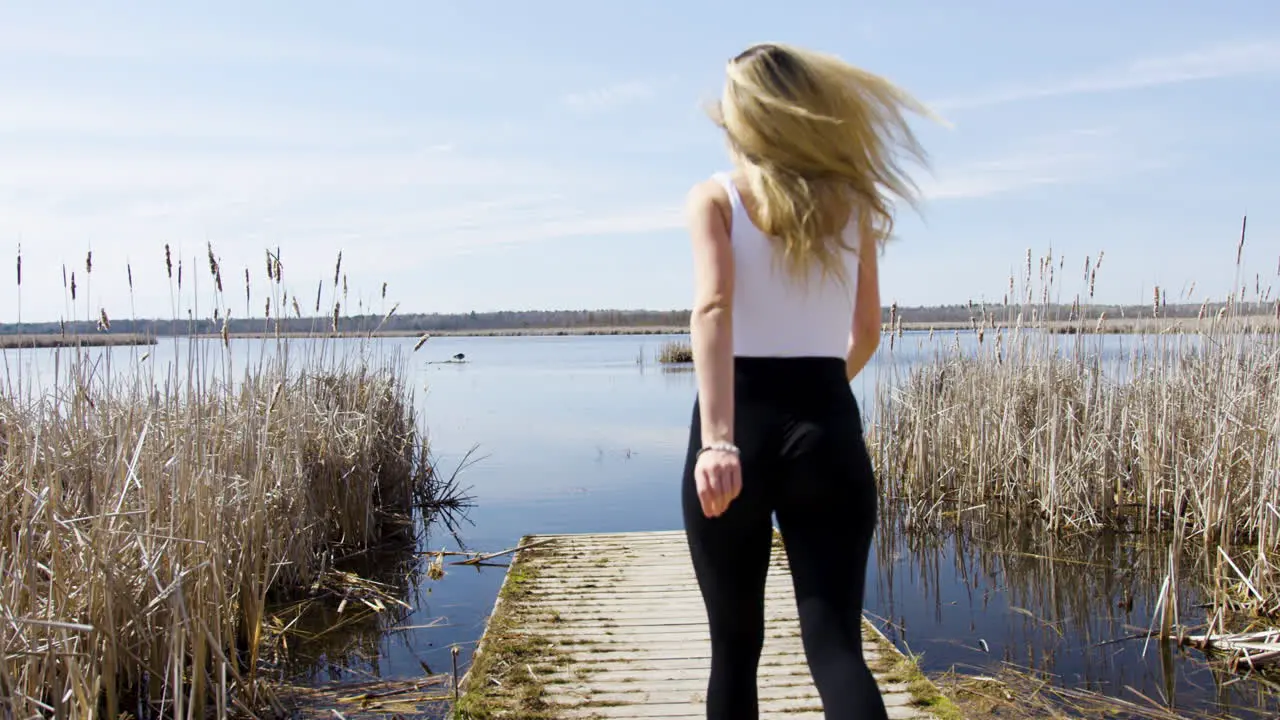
[565,319]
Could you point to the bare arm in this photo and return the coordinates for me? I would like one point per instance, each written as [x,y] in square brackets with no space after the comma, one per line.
[864,336]
[711,322]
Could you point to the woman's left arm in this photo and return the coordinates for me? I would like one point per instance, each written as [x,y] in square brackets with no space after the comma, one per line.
[718,472]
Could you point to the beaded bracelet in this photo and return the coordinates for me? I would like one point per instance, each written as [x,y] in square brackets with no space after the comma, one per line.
[722,447]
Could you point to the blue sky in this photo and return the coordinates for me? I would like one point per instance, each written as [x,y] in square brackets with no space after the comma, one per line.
[480,156]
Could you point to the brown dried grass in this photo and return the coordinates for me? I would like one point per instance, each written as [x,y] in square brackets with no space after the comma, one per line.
[149,517]
[1180,431]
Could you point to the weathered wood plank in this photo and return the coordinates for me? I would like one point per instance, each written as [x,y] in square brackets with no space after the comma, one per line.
[613,626]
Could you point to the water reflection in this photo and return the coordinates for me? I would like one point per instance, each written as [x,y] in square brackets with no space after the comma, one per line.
[985,593]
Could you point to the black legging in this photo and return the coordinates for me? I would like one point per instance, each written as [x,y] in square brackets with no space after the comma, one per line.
[803,457]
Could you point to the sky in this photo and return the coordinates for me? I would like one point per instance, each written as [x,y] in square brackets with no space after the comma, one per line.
[515,155]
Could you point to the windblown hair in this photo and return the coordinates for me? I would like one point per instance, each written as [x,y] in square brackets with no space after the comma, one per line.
[818,141]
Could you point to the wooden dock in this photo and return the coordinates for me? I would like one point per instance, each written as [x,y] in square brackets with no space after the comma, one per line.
[613,626]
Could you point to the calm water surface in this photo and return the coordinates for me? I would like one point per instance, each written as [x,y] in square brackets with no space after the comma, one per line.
[586,434]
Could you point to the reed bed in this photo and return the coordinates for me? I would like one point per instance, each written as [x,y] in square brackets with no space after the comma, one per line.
[675,351]
[50,340]
[151,515]
[1160,431]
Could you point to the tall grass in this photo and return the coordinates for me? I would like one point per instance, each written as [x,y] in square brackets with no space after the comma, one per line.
[150,515]
[675,351]
[1176,430]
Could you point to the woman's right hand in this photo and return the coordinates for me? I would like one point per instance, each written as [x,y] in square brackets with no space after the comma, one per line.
[718,475]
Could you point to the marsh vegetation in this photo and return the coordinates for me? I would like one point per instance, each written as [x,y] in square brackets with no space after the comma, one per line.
[1173,436]
[676,351]
[155,519]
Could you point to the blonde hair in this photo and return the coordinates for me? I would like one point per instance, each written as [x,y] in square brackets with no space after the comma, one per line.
[816,139]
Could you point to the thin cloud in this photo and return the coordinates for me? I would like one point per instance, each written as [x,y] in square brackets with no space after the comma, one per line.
[623,93]
[1220,61]
[152,117]
[113,42]
[1071,158]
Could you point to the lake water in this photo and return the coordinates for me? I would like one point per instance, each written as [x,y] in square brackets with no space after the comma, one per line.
[587,434]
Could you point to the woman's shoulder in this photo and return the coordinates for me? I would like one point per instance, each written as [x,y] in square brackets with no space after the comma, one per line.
[709,190]
[709,195]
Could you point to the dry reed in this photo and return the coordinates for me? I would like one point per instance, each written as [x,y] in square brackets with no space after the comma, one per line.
[675,351]
[149,516]
[1175,430]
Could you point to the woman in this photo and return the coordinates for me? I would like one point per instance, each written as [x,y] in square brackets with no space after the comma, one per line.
[787,312]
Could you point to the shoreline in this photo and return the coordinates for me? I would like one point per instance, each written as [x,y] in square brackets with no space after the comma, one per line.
[1110,326]
[44,341]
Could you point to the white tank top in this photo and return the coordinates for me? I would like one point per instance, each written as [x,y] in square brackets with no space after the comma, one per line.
[773,314]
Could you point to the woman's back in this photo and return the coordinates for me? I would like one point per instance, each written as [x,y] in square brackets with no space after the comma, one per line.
[776,314]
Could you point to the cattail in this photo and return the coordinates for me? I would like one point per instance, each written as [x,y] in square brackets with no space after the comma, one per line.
[62,327]
[1101,319]
[168,261]
[344,287]
[128,271]
[296,310]
[1240,248]
[215,270]
[421,341]
[384,291]
[20,269]
[337,269]
[226,332]
[390,312]
[279,267]
[216,314]
[267,311]
[88,263]
[73,285]
[337,309]
[246,287]
[179,273]
[271,275]
[1155,303]
[319,289]
[104,322]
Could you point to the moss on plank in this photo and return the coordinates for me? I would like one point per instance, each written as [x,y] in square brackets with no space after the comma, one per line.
[508,673]
[896,667]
